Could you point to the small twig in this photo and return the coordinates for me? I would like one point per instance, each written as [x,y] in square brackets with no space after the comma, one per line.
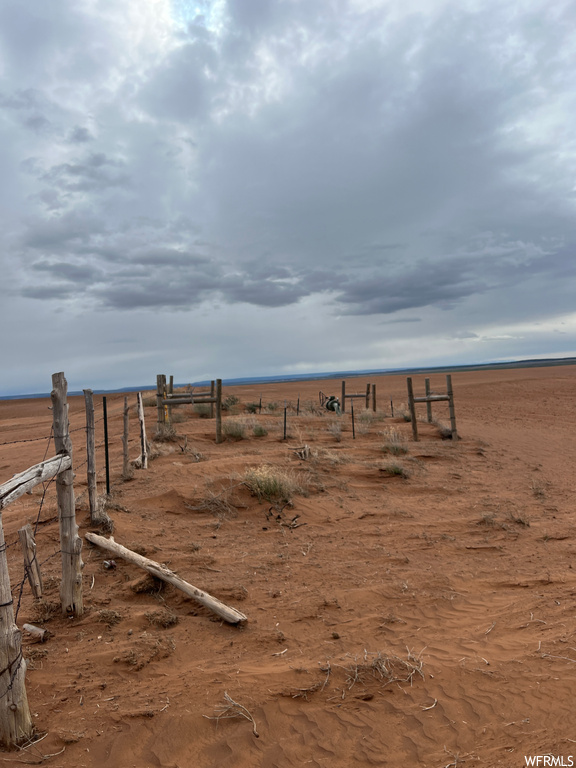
[490,628]
[425,709]
[234,709]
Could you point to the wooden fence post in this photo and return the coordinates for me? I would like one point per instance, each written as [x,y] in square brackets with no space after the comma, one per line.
[450,394]
[15,720]
[70,542]
[412,409]
[159,403]
[428,403]
[374,397]
[218,410]
[31,567]
[91,452]
[143,443]
[170,392]
[343,401]
[125,440]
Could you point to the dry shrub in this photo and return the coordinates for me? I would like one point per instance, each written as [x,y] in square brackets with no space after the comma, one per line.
[335,429]
[395,470]
[162,618]
[384,668]
[109,617]
[218,502]
[393,441]
[274,484]
[165,434]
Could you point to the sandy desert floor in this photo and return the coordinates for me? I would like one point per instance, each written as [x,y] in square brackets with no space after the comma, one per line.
[413,605]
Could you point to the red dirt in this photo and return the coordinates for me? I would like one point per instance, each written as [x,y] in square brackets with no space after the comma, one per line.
[463,570]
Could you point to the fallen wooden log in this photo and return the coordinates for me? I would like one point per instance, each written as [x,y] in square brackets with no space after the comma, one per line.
[38,633]
[231,615]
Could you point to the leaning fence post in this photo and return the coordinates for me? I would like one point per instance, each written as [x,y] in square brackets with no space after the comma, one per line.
[450,394]
[143,443]
[91,453]
[31,567]
[412,409]
[15,720]
[70,542]
[218,410]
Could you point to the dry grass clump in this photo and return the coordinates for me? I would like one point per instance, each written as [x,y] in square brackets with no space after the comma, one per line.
[403,412]
[259,430]
[335,429]
[395,470]
[165,434]
[444,430]
[203,410]
[162,618]
[389,669]
[274,484]
[109,617]
[393,441]
[235,428]
[217,502]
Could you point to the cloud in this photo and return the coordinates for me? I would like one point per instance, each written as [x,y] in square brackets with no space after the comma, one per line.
[356,163]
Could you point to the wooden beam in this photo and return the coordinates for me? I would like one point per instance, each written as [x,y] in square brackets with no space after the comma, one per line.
[231,615]
[25,481]
[431,399]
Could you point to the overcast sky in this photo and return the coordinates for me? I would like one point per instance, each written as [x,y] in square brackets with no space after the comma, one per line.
[258,187]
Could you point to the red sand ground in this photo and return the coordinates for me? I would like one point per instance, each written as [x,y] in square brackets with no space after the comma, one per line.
[463,570]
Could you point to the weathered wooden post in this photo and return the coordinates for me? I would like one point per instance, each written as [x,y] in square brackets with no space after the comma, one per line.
[70,542]
[143,442]
[125,440]
[428,402]
[450,394]
[15,721]
[170,392]
[31,567]
[106,447]
[367,396]
[91,453]
[159,403]
[412,409]
[374,397]
[218,410]
[343,401]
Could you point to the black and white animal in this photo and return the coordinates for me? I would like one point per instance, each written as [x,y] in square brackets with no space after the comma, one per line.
[333,404]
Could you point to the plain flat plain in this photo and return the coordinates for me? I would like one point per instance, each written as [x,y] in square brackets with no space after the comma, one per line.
[409,604]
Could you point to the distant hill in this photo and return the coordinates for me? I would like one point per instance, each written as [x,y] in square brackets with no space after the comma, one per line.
[530,363]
